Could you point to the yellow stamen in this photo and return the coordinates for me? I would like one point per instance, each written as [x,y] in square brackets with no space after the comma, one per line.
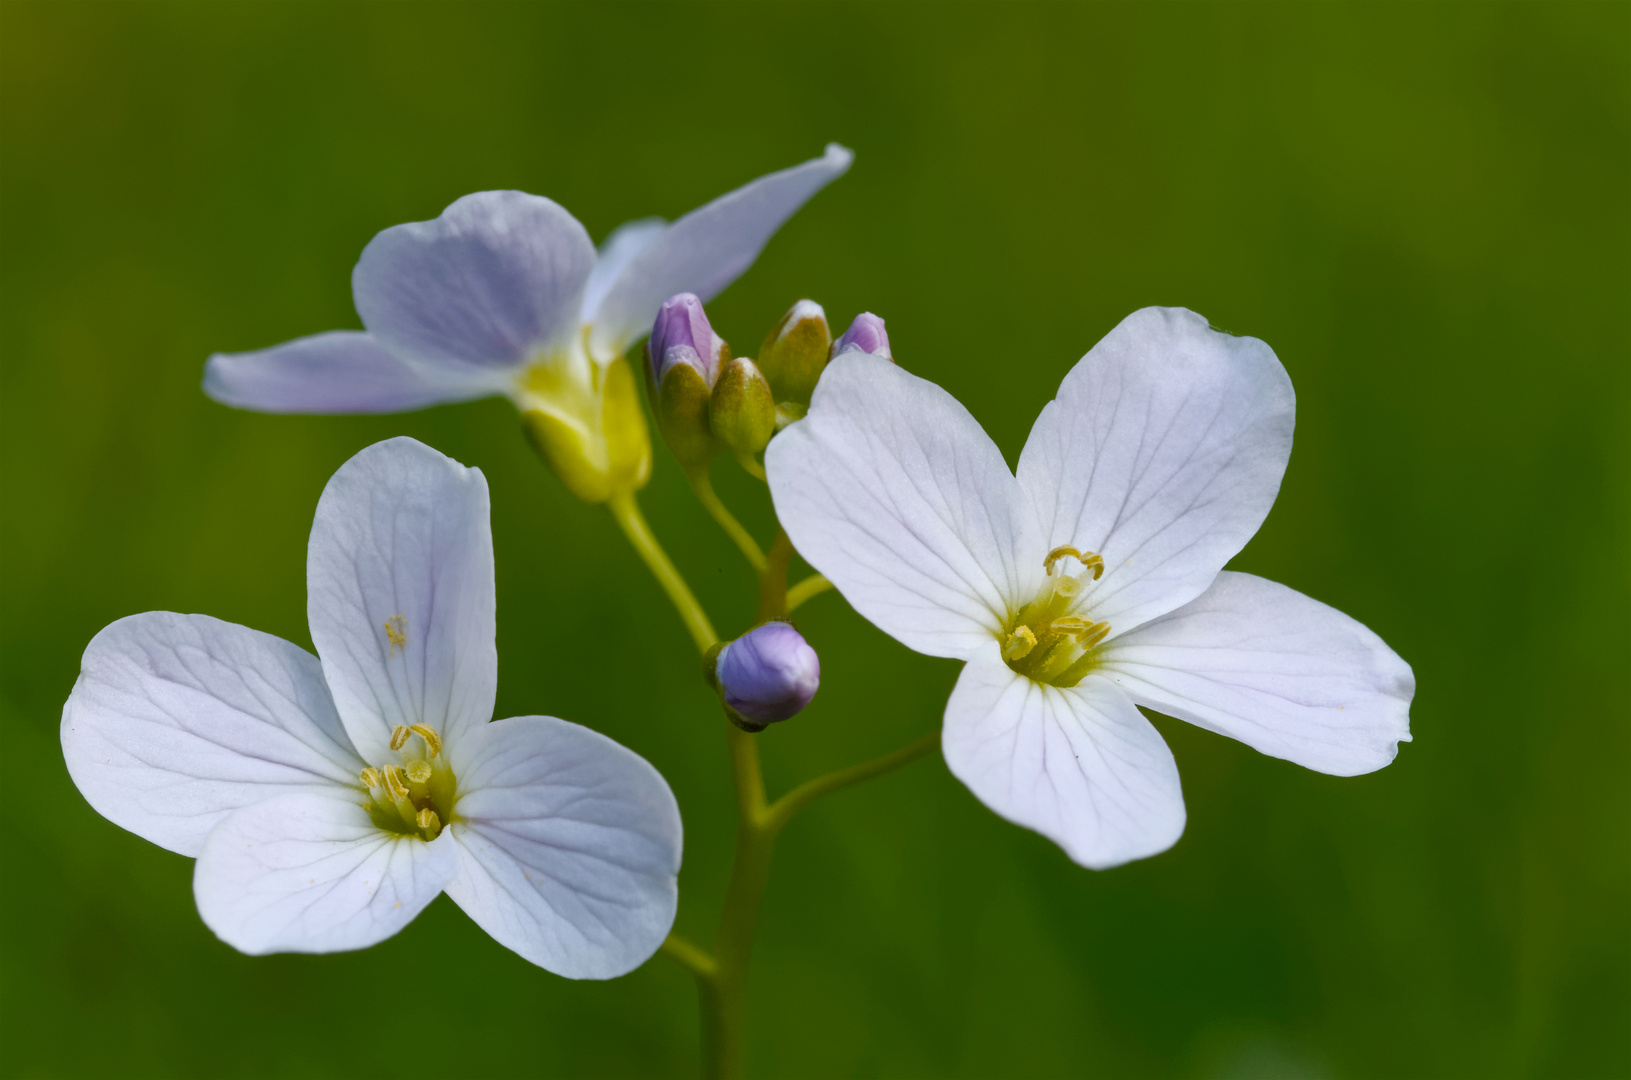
[419,771]
[433,741]
[1020,642]
[399,737]
[394,783]
[371,778]
[428,820]
[1060,552]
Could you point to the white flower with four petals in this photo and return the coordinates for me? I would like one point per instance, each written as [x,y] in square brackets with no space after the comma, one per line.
[1091,581]
[328,801]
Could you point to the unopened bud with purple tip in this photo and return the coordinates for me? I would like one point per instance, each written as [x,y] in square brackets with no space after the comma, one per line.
[685,356]
[682,335]
[768,674]
[866,334]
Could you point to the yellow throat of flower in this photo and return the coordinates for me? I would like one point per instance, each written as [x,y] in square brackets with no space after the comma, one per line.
[585,420]
[414,795]
[1047,641]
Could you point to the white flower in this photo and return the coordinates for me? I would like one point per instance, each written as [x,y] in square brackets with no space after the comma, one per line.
[505,294]
[1092,580]
[328,801]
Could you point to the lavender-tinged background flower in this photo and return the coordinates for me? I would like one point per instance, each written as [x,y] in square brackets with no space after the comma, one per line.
[866,335]
[1093,581]
[505,294]
[769,673]
[328,801]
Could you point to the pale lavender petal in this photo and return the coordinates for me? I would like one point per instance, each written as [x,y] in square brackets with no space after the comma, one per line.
[313,874]
[178,720]
[1162,453]
[707,249]
[892,490]
[1081,766]
[400,595]
[569,847]
[624,243]
[476,292]
[341,371]
[1280,671]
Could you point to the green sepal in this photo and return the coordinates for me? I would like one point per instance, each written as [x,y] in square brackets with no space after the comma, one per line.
[742,414]
[795,353]
[681,405]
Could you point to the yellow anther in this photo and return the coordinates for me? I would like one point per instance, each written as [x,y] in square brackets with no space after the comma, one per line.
[396,632]
[428,820]
[1060,552]
[419,771]
[1074,625]
[1089,560]
[399,737]
[371,778]
[1019,643]
[394,782]
[433,741]
[1095,633]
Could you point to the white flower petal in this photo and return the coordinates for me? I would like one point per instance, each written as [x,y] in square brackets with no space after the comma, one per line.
[624,243]
[570,844]
[341,371]
[1163,453]
[474,292]
[1081,766]
[400,595]
[177,720]
[892,490]
[312,874]
[1281,672]
[707,249]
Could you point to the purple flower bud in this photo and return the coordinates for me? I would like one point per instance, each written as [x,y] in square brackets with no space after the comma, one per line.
[866,334]
[768,674]
[681,335]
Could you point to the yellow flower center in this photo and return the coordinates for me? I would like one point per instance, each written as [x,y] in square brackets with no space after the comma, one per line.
[1047,641]
[412,796]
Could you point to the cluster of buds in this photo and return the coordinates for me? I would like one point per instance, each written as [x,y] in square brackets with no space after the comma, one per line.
[767,675]
[707,400]
[800,347]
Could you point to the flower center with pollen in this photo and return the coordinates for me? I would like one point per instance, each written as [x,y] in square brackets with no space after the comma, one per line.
[1047,641]
[412,796]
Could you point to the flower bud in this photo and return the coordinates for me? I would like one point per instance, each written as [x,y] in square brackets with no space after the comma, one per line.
[866,334]
[681,405]
[683,359]
[768,674]
[742,414]
[682,335]
[795,351]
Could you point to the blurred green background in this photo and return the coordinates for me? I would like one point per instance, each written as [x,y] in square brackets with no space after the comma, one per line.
[1423,209]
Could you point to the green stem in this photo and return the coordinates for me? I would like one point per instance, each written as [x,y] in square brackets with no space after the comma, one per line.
[703,486]
[722,976]
[689,956]
[814,585]
[782,810]
[627,514]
